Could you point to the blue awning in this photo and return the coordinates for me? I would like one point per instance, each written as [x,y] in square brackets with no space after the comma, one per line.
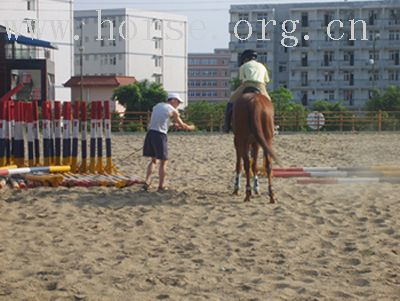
[29,41]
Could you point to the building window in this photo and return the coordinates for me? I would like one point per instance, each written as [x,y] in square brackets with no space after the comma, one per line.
[304,59]
[282,67]
[304,99]
[157,24]
[243,16]
[328,76]
[329,95]
[157,61]
[394,75]
[372,16]
[157,43]
[328,58]
[158,78]
[262,16]
[349,57]
[304,79]
[395,57]
[328,17]
[30,5]
[348,96]
[394,35]
[304,19]
[394,17]
[262,57]
[30,25]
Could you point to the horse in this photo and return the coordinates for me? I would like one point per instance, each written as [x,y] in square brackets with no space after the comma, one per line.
[253,126]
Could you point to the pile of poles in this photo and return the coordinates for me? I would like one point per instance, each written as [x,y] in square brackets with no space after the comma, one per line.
[340,175]
[39,146]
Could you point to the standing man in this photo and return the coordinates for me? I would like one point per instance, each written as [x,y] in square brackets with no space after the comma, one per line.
[251,74]
[156,141]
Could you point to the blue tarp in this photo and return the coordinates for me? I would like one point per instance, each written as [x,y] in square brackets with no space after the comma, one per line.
[29,41]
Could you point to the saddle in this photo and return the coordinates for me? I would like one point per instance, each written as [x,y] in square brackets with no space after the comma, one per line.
[251,90]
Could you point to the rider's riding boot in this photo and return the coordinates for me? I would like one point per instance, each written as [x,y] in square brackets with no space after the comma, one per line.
[228,117]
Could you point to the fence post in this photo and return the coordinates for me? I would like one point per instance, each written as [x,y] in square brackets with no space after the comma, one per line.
[379,120]
[353,123]
[297,121]
[341,122]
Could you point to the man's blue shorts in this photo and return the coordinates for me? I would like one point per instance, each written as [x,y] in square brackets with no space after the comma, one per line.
[156,145]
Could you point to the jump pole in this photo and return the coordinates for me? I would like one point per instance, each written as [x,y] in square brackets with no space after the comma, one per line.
[57,132]
[67,133]
[93,135]
[46,128]
[75,136]
[2,133]
[83,167]
[99,126]
[29,124]
[36,132]
[107,126]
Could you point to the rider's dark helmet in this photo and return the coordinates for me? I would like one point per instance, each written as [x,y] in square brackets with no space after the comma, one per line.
[248,54]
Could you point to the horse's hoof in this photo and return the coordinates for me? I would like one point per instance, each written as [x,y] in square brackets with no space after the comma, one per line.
[235,192]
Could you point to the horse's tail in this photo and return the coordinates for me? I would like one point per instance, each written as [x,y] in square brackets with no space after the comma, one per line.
[260,127]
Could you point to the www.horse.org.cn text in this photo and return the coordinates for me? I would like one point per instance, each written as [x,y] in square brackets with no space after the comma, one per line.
[243,30]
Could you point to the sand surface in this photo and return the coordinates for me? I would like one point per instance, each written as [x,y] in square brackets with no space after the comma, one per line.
[197,242]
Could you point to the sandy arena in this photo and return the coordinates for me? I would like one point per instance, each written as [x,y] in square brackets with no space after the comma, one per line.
[197,242]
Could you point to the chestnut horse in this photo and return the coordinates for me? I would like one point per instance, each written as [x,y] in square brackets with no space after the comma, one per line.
[253,126]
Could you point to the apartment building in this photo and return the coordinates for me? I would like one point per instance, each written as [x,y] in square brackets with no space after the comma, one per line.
[48,20]
[209,76]
[320,67]
[129,42]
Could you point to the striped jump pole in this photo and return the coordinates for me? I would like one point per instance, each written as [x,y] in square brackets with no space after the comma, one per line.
[25,170]
[331,172]
[51,144]
[46,129]
[2,133]
[10,132]
[28,108]
[57,132]
[83,168]
[99,122]
[18,149]
[67,133]
[93,136]
[107,126]
[75,136]
[391,180]
[36,143]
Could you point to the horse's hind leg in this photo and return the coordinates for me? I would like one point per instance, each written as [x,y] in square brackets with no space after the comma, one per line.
[238,170]
[246,163]
[254,155]
[268,167]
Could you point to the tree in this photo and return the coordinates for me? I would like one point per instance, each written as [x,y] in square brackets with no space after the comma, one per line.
[205,115]
[334,112]
[326,106]
[289,115]
[140,96]
[234,83]
[388,100]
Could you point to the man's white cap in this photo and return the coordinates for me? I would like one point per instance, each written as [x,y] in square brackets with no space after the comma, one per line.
[176,96]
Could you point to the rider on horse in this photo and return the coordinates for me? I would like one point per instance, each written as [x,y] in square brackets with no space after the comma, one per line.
[251,74]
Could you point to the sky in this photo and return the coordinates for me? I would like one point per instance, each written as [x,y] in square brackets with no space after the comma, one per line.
[208,19]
